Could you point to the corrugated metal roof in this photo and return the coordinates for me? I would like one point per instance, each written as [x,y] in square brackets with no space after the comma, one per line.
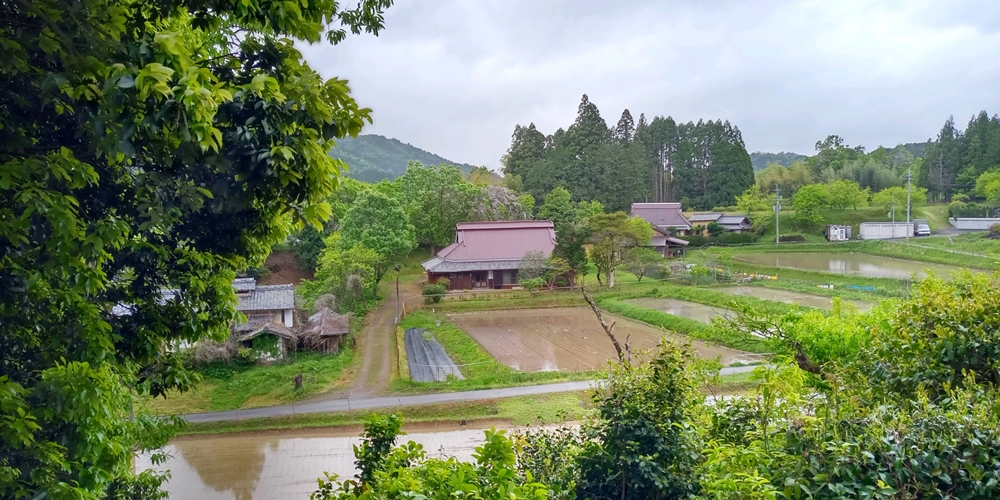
[268,298]
[504,224]
[501,240]
[661,215]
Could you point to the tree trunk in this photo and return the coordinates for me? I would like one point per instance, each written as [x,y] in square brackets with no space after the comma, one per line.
[611,279]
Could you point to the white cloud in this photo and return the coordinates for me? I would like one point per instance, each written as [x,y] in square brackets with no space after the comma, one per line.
[455,76]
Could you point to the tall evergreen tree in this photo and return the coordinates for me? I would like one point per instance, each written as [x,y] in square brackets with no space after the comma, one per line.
[624,132]
[589,130]
[943,161]
[527,150]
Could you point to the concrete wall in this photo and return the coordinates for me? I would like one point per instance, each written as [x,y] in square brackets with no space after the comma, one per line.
[973,223]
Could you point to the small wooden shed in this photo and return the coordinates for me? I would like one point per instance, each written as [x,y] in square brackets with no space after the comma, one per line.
[325,330]
[286,339]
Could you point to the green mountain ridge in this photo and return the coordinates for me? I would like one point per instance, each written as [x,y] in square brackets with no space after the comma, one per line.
[372,157]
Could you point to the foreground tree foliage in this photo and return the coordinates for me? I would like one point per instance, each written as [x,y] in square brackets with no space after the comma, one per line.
[389,471]
[901,405]
[143,147]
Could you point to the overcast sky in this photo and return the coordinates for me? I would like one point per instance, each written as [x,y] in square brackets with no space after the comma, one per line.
[454,76]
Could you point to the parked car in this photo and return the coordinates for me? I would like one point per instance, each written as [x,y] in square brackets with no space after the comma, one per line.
[923,230]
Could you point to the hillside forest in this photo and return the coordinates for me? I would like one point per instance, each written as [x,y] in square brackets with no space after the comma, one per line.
[948,167]
[371,158]
[701,164]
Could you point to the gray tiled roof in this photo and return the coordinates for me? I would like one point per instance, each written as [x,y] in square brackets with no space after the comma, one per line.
[709,217]
[244,284]
[733,219]
[267,298]
[439,265]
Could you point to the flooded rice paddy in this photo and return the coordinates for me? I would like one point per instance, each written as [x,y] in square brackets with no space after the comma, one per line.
[564,338]
[279,465]
[802,299]
[869,266]
[682,308]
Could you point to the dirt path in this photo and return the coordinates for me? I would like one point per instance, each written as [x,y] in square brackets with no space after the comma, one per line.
[376,343]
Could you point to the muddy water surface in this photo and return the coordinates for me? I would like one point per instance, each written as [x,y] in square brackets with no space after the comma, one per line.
[802,299]
[564,338]
[682,308]
[869,266]
[281,465]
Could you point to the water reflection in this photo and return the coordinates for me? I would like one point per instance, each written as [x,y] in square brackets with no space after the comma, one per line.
[682,308]
[870,266]
[279,465]
[233,465]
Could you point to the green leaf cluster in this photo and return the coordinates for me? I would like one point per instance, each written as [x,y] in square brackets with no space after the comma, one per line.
[148,152]
[404,471]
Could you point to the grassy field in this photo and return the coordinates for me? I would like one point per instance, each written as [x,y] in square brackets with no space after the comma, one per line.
[226,388]
[481,371]
[521,410]
[969,242]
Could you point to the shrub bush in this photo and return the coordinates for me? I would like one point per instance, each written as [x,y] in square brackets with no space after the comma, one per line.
[792,238]
[433,292]
[955,207]
[696,240]
[737,238]
[445,282]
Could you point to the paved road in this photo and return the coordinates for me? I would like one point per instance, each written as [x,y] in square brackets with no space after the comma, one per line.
[397,401]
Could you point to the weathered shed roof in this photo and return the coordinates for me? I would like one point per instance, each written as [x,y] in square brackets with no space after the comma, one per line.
[327,323]
[249,330]
[268,298]
[661,215]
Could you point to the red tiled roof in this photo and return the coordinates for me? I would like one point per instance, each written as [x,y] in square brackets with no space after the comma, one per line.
[501,240]
[661,215]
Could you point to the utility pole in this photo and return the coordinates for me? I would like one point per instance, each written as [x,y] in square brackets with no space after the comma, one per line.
[777,209]
[908,224]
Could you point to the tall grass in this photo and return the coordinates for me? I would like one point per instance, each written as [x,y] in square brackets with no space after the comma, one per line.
[258,385]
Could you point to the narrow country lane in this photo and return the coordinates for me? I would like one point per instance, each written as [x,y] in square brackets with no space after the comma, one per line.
[400,401]
[376,345]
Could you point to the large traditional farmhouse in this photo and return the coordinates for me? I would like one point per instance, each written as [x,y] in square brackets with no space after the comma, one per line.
[664,217]
[487,254]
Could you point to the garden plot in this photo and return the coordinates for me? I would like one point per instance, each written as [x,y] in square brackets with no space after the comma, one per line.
[565,338]
[426,358]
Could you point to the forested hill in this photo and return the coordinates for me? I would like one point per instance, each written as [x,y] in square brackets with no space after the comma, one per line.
[372,158]
[760,159]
